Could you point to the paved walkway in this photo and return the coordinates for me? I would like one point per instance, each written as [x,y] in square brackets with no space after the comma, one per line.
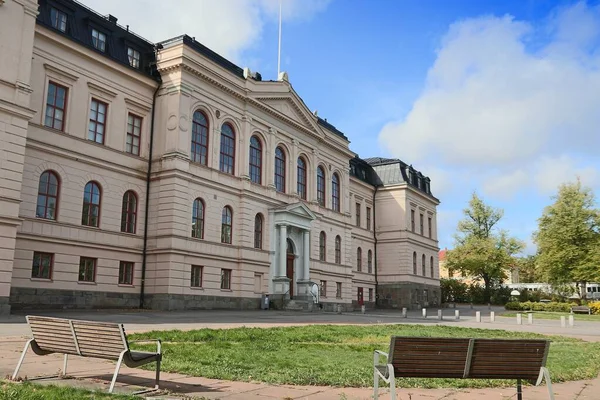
[93,373]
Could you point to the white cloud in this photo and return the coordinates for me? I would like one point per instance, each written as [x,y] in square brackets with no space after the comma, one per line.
[551,172]
[504,186]
[226,26]
[502,91]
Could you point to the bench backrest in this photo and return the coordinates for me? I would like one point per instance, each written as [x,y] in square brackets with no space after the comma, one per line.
[417,357]
[84,338]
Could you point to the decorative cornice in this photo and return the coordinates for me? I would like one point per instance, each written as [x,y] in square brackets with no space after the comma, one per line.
[60,72]
[102,90]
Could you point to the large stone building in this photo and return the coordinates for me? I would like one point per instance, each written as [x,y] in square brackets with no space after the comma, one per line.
[164,176]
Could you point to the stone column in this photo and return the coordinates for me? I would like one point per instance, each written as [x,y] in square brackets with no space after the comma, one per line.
[282,249]
[306,258]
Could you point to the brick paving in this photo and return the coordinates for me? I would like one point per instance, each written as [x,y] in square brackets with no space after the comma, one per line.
[96,374]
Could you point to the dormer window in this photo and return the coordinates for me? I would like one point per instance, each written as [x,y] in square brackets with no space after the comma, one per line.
[99,40]
[134,57]
[59,19]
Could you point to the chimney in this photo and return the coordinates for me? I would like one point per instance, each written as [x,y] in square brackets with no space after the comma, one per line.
[112,18]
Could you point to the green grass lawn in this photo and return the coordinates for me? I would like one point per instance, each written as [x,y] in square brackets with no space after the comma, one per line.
[554,315]
[337,355]
[29,391]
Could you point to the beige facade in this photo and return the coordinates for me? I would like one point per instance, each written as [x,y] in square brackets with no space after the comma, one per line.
[77,112]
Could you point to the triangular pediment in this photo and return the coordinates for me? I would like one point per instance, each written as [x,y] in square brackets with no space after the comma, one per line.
[300,209]
[291,106]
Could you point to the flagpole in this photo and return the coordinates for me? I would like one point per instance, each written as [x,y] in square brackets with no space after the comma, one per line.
[279,49]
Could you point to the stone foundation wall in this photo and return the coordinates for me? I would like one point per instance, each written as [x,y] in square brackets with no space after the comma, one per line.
[201,302]
[407,294]
[48,299]
[4,306]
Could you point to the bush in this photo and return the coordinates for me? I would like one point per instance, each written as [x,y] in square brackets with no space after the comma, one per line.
[595,307]
[532,306]
[453,291]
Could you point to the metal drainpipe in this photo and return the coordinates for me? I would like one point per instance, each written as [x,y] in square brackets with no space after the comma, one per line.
[146,210]
[375,249]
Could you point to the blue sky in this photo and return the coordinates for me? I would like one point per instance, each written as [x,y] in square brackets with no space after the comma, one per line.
[497,97]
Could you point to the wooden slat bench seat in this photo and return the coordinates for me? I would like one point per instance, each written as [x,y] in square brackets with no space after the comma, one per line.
[419,357]
[581,309]
[86,339]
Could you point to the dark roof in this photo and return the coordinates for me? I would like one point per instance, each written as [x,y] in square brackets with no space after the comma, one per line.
[381,160]
[208,53]
[81,20]
[363,171]
[331,128]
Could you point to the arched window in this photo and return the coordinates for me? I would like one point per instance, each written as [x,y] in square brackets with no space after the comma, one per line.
[129,212]
[431,266]
[359,259]
[200,138]
[255,160]
[227,159]
[280,170]
[321,186]
[258,231]
[226,225]
[91,205]
[415,263]
[423,264]
[338,250]
[47,200]
[322,246]
[335,192]
[370,261]
[302,178]
[198,219]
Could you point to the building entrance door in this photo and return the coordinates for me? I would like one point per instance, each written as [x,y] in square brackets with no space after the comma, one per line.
[361,300]
[290,272]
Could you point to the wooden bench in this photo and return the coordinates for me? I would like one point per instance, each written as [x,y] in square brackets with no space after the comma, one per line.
[86,339]
[581,309]
[418,357]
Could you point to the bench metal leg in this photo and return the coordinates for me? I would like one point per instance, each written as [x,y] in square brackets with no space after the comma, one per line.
[519,390]
[545,374]
[65,365]
[15,374]
[157,373]
[392,382]
[114,379]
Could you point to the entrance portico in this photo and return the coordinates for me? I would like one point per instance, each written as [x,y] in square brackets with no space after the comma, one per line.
[290,263]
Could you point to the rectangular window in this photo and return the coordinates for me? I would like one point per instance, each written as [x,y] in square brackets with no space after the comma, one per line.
[97,125]
[370,294]
[59,19]
[99,40]
[134,57]
[338,290]
[42,265]
[421,224]
[134,132]
[125,273]
[429,227]
[412,220]
[87,269]
[358,214]
[226,279]
[369,218]
[323,289]
[196,278]
[56,104]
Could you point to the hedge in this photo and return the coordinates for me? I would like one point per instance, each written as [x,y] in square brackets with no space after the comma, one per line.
[530,306]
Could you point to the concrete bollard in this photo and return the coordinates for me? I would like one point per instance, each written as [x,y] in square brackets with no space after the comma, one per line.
[530,318]
[563,321]
[571,320]
[478,316]
[440,317]
[492,316]
[457,314]
[362,309]
[404,312]
[519,319]
[489,306]
[424,313]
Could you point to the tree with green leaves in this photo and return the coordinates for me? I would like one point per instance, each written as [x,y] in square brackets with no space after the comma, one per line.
[568,237]
[481,250]
[527,269]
